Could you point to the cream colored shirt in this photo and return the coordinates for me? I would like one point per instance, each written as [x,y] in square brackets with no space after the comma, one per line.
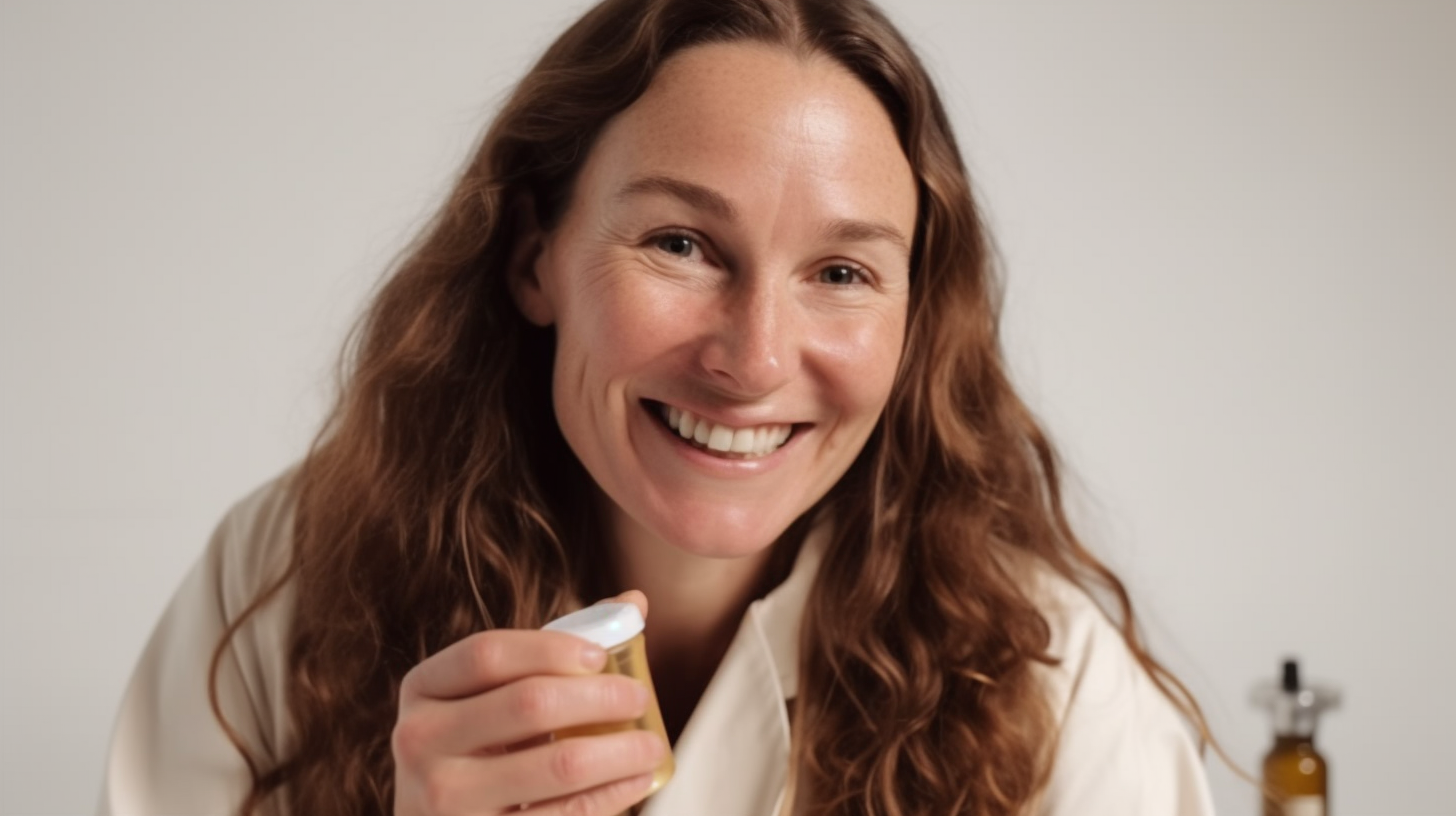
[1123,751]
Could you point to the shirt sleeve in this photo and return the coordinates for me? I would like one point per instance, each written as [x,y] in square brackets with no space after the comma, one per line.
[1123,749]
[168,752]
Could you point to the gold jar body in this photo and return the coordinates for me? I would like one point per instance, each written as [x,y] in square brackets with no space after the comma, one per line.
[630,658]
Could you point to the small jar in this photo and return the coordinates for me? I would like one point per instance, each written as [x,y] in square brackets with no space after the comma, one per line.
[617,628]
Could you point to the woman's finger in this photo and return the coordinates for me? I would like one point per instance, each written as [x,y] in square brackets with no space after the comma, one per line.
[631,596]
[527,708]
[486,660]
[604,800]
[553,771]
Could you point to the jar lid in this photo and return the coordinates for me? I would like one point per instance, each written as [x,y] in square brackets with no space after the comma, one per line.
[606,624]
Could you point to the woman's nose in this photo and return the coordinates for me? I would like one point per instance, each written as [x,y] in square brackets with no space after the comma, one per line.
[754,349]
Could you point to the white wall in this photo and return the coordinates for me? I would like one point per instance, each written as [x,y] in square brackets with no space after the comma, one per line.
[1228,233]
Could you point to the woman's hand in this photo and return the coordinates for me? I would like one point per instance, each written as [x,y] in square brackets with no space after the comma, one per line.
[473,719]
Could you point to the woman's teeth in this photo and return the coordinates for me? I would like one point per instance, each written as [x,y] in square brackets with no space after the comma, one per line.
[745,442]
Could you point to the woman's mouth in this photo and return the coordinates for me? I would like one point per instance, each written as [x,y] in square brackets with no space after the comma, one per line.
[721,440]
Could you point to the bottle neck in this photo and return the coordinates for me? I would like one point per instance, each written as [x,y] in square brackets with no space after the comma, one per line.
[1288,742]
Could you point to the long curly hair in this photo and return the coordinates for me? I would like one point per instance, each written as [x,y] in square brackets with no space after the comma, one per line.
[441,499]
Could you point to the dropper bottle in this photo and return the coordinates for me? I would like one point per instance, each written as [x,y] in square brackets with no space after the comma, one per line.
[1296,776]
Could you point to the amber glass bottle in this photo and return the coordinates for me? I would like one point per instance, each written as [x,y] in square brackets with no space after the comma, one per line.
[1294,770]
[1296,777]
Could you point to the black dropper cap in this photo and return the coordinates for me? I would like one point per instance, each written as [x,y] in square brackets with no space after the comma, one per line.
[1291,676]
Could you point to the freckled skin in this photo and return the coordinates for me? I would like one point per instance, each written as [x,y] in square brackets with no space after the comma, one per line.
[741,318]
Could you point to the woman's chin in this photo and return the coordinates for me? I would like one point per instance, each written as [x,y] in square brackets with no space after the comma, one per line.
[719,535]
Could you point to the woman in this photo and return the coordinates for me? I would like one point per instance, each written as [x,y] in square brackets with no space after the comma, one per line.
[707,320]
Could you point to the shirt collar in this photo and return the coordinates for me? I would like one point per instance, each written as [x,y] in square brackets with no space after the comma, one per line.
[780,614]
[733,756]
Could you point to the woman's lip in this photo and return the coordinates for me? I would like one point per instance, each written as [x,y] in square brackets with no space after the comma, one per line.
[719,465]
[655,407]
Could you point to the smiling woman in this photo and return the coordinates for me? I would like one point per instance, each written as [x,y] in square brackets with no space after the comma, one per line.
[708,321]
[699,268]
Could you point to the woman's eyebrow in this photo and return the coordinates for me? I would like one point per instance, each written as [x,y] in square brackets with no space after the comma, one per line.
[694,195]
[849,230]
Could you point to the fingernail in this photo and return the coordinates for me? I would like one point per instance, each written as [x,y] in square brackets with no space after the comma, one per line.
[593,657]
[642,695]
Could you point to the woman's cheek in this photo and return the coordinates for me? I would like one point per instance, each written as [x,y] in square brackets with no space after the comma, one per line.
[647,315]
[863,354]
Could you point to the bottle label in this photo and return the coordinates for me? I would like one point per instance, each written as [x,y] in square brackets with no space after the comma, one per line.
[1304,806]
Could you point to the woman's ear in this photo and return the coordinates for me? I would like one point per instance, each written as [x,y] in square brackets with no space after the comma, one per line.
[522,272]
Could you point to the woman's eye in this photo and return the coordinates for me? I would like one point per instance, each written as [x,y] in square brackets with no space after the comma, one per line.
[839,275]
[675,244]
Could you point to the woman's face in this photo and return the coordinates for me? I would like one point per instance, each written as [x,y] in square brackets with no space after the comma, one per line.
[734,259]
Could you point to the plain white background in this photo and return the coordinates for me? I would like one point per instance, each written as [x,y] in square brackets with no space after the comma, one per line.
[1227,229]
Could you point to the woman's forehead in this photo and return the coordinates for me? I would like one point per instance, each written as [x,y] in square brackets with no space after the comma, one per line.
[752,120]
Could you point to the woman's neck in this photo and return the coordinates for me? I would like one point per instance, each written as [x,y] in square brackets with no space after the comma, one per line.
[695,607]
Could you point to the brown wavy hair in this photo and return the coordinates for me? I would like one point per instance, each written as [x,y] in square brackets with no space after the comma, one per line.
[441,499]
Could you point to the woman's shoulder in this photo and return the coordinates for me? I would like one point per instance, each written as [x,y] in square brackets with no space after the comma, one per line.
[246,563]
[241,582]
[1081,629]
[252,544]
[1121,742]
[169,752]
